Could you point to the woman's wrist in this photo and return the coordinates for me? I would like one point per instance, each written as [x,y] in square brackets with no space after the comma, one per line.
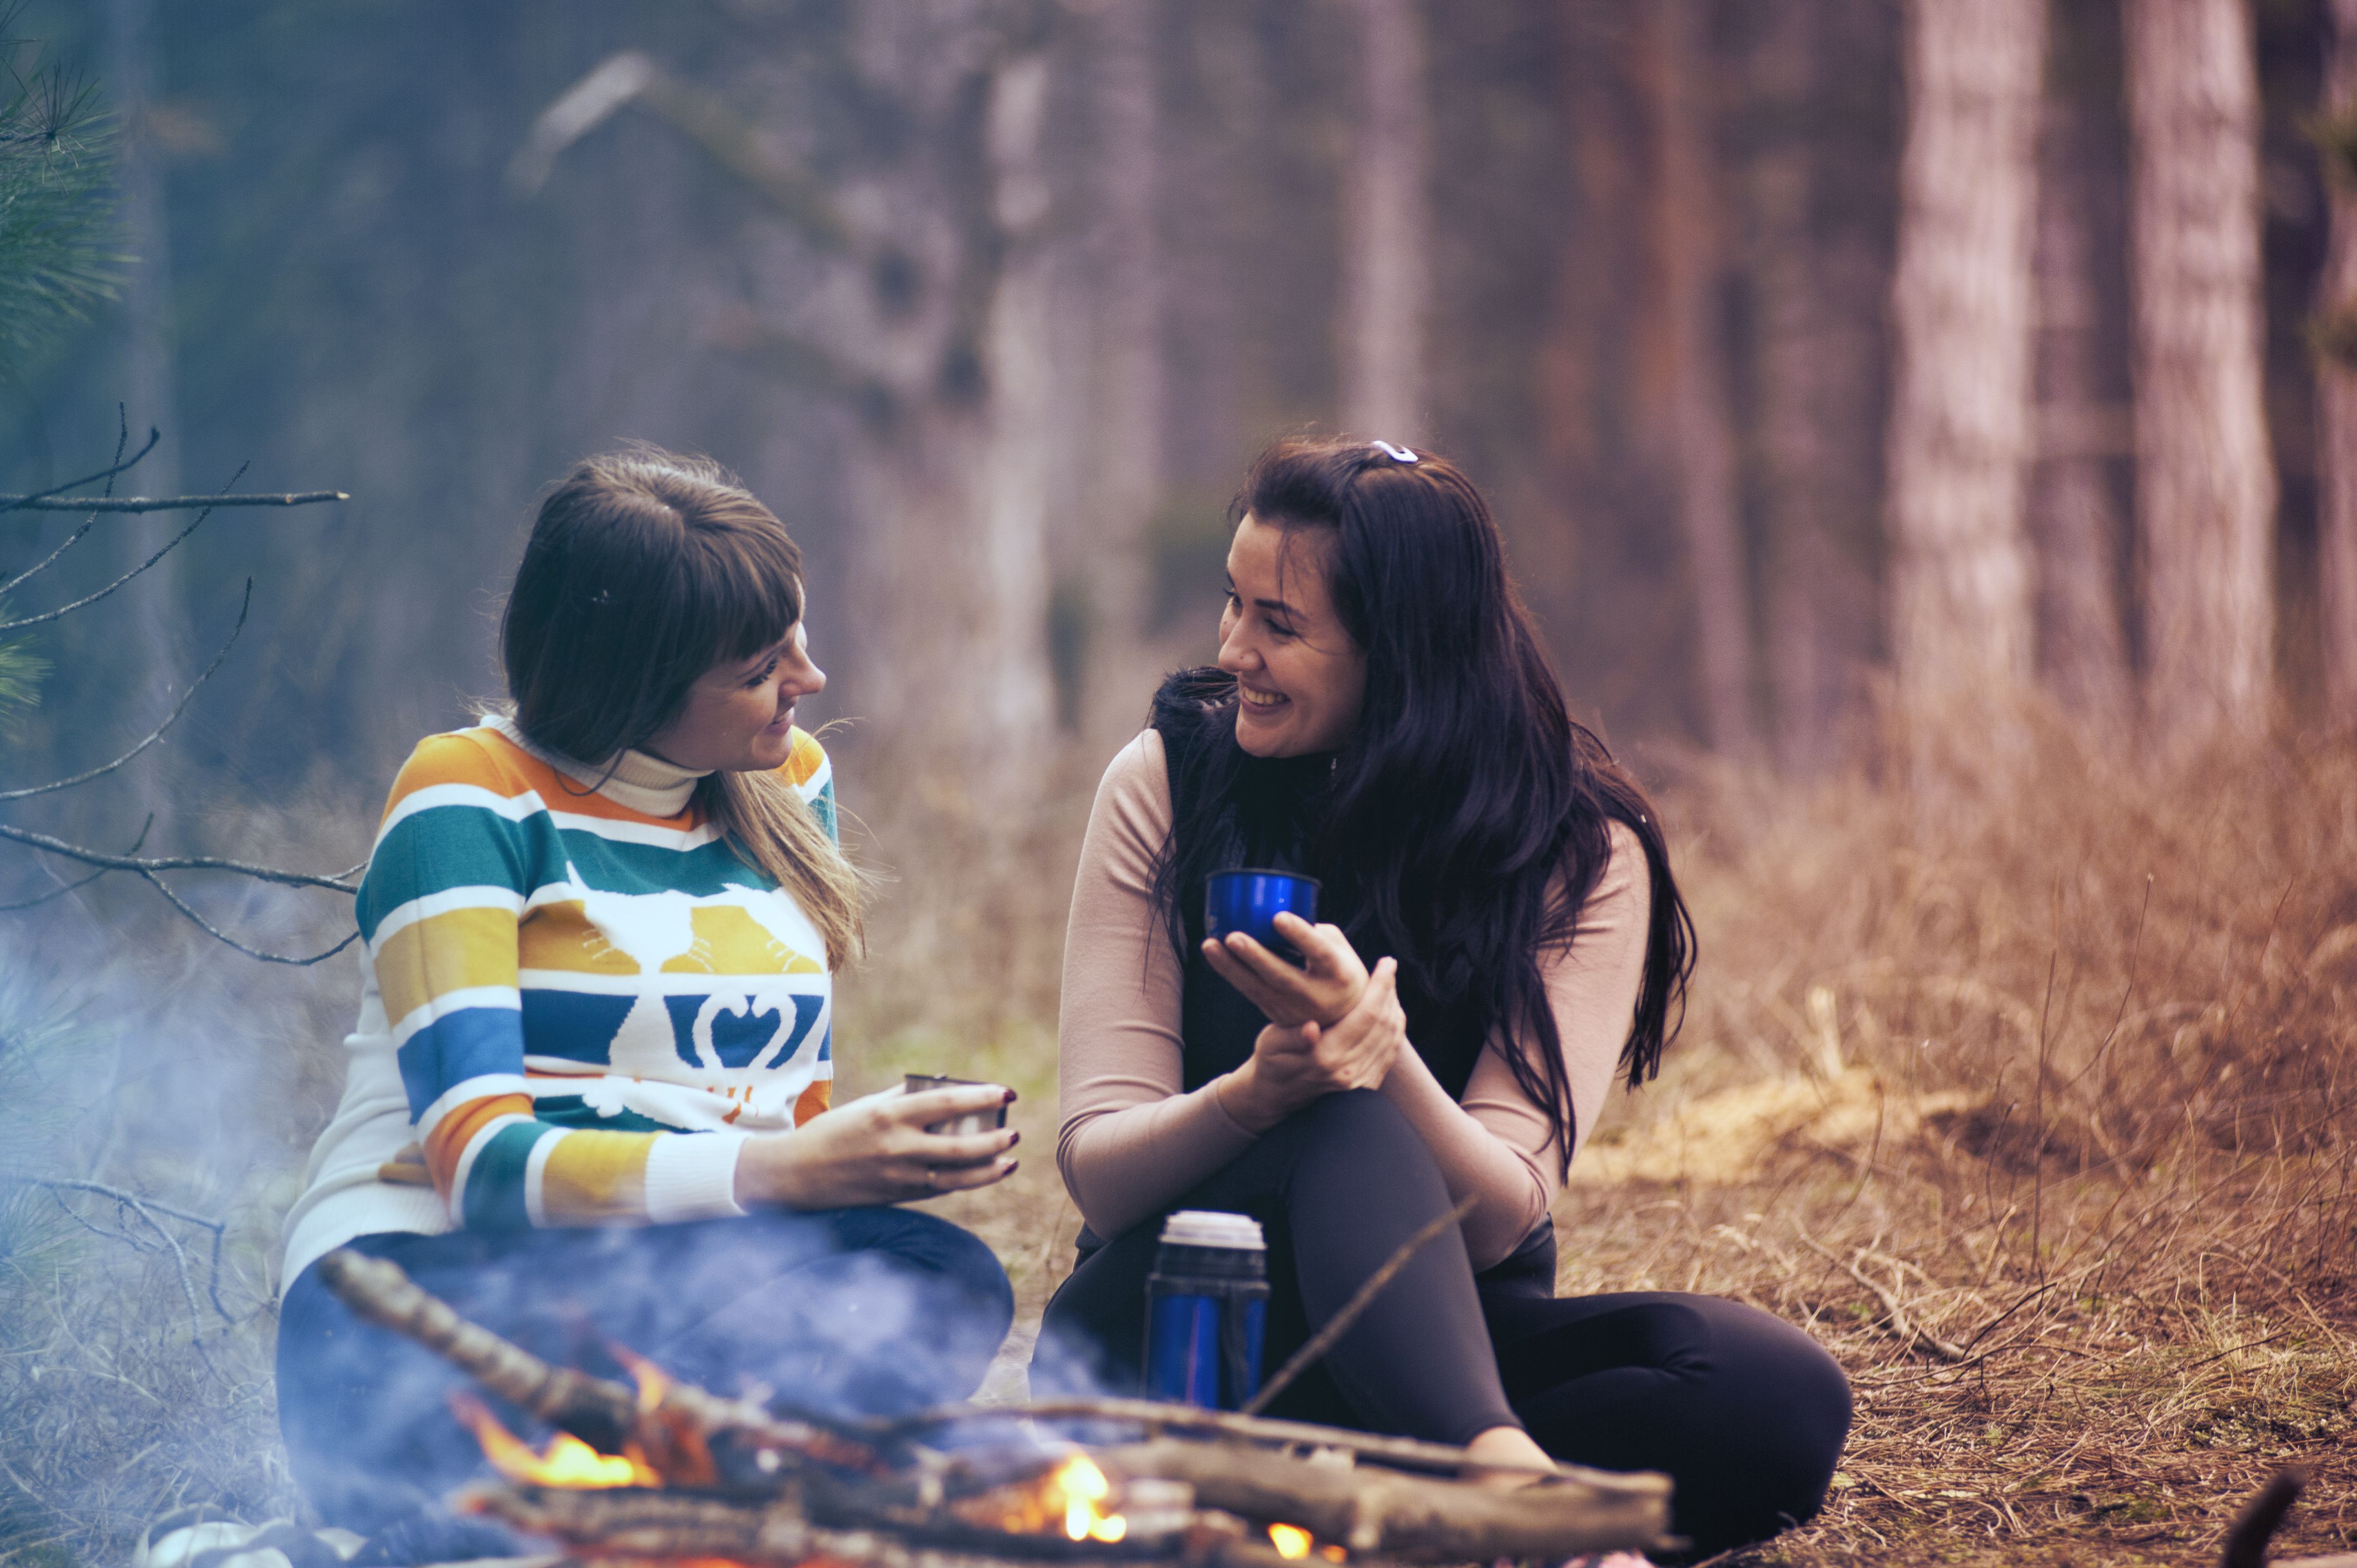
[1238,1095]
[766,1172]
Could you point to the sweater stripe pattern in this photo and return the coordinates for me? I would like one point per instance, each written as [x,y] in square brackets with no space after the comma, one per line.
[589,1007]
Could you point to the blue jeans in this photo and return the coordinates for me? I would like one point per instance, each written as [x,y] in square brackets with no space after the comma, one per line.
[850,1311]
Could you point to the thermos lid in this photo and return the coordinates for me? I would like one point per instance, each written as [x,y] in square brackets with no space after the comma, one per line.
[1210,1228]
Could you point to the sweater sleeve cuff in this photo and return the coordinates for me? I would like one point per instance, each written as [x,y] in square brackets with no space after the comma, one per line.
[692,1175]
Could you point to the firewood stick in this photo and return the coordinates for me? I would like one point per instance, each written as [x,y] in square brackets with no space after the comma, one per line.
[1334,1328]
[602,1413]
[1411,1519]
[2246,1541]
[1405,1452]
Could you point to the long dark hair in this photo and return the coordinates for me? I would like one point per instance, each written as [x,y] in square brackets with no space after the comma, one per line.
[644,569]
[1467,817]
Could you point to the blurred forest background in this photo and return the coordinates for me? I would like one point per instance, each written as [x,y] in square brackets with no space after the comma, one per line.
[1923,428]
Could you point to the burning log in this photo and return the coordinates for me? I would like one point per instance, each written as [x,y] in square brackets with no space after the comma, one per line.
[637,1526]
[1411,1518]
[672,1426]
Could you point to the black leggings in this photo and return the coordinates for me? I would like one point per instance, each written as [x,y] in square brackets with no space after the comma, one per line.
[1743,1411]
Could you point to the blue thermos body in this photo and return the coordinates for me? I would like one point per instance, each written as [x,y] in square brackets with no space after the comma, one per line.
[1207,1310]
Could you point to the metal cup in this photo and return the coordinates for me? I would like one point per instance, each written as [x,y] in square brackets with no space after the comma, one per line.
[988,1121]
[1249,900]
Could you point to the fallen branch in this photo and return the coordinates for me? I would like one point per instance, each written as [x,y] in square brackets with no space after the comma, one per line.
[1334,1328]
[47,502]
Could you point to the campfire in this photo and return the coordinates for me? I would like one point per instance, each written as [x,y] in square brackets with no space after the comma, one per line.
[670,1473]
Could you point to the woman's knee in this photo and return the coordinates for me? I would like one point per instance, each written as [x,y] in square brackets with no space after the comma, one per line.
[930,1247]
[1356,1123]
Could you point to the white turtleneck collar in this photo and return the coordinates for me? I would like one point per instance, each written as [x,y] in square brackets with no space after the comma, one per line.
[637,779]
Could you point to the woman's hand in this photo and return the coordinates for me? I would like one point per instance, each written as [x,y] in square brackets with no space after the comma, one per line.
[1292,1067]
[1322,991]
[876,1150]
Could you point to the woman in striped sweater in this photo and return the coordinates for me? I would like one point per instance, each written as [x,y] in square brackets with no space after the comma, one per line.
[588,1096]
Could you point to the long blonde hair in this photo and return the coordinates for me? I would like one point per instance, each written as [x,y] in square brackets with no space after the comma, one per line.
[644,569]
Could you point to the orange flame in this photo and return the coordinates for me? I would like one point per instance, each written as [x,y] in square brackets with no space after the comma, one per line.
[566,1461]
[653,1382]
[1293,1543]
[1083,1489]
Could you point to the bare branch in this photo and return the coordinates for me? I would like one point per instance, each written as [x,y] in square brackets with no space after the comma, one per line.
[46,561]
[340,883]
[156,735]
[16,503]
[147,1208]
[63,888]
[210,929]
[165,503]
[63,610]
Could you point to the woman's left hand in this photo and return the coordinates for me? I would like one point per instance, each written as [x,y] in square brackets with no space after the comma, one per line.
[1290,1067]
[1322,991]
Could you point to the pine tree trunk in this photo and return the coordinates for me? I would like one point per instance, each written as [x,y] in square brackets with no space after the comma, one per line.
[1959,436]
[150,608]
[2074,519]
[1129,373]
[2205,485]
[1685,202]
[1811,252]
[2337,378]
[1386,273]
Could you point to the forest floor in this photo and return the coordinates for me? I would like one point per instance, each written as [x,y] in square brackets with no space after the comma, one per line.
[2029,1097]
[2027,1091]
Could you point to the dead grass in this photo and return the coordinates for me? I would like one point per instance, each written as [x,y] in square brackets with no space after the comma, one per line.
[2050,1065]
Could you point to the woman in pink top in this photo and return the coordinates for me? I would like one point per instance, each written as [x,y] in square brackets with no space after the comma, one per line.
[1382,718]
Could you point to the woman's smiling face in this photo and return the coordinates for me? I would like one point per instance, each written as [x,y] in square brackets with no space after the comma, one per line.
[740,714]
[1300,678]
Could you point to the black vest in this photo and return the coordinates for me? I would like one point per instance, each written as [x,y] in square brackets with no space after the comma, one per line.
[1274,806]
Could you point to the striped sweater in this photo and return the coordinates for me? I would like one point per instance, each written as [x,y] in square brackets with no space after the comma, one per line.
[576,1009]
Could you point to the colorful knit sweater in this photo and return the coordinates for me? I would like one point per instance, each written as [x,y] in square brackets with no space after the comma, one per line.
[579,1002]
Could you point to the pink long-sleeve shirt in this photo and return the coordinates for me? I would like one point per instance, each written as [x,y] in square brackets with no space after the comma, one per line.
[1131,1142]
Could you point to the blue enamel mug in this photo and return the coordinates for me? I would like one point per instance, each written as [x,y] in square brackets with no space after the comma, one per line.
[1250,898]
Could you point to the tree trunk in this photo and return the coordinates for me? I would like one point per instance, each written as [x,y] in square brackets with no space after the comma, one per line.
[1959,437]
[150,393]
[2336,376]
[1813,248]
[2205,486]
[1701,451]
[1386,271]
[1115,558]
[2075,519]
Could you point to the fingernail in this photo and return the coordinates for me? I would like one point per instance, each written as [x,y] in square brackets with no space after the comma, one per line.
[1012,1165]
[1010,1098]
[1013,1139]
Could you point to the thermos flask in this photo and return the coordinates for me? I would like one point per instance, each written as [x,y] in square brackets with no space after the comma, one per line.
[1207,1310]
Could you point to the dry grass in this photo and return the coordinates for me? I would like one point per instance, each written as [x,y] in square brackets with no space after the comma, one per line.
[2057,1065]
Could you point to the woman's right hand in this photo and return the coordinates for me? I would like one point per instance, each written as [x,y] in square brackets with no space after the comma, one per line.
[1321,989]
[1290,1067]
[875,1150]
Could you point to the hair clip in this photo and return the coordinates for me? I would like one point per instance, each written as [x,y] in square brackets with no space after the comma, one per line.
[1396,454]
